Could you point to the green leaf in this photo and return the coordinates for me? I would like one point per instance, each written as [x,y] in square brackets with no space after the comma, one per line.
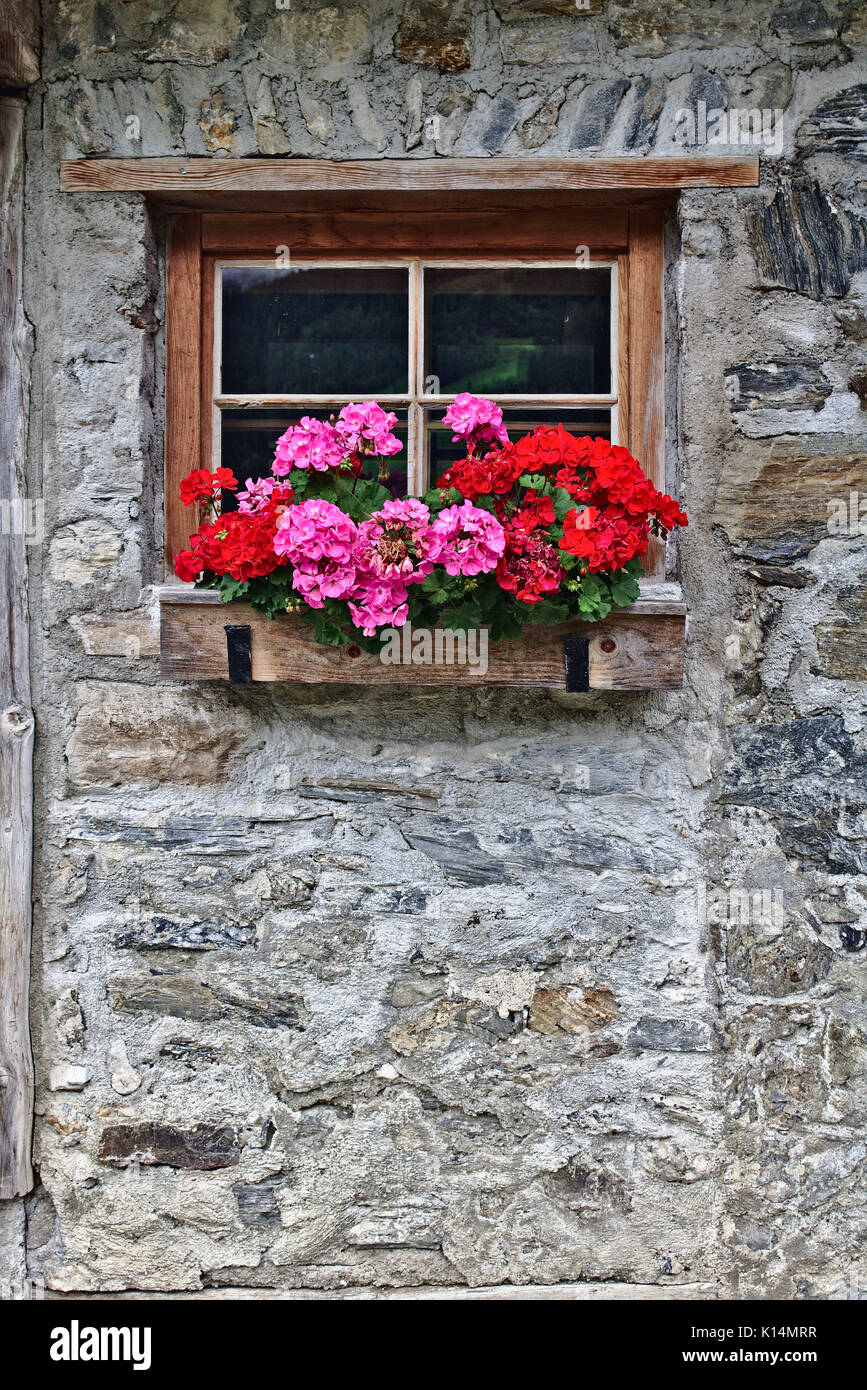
[549,611]
[505,625]
[465,615]
[624,589]
[299,480]
[563,503]
[328,633]
[232,589]
[436,500]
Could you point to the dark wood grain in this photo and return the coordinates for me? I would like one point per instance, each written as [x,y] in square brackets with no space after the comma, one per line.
[530,231]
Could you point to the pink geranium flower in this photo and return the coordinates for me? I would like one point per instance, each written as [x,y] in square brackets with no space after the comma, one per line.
[378,602]
[256,495]
[466,540]
[476,420]
[318,539]
[367,428]
[310,444]
[393,543]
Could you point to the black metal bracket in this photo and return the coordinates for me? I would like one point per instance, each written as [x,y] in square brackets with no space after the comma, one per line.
[576,651]
[239,653]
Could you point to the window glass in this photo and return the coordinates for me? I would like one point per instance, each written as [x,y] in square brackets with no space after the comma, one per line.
[342,333]
[518,332]
[330,331]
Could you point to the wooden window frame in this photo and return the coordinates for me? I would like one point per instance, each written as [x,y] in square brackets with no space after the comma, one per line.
[492,209]
[200,243]
[418,403]
[630,240]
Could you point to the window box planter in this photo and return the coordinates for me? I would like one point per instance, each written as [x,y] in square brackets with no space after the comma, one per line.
[637,648]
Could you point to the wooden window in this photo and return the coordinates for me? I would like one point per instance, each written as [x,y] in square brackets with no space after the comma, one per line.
[446,229]
[312,335]
[231,342]
[250,349]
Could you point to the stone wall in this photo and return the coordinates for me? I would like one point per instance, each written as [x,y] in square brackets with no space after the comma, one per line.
[336,988]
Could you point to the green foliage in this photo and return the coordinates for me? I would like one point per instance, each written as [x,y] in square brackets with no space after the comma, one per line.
[452,601]
[561,500]
[358,497]
[438,499]
[271,593]
[624,584]
[537,481]
[231,589]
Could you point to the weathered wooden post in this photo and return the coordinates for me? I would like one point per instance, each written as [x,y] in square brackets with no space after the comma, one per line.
[18,67]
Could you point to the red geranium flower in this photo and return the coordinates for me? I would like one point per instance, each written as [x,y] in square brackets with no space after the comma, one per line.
[529,567]
[202,483]
[607,539]
[237,543]
[473,477]
[536,510]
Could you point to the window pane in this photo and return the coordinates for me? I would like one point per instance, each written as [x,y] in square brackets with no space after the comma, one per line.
[315,332]
[249,438]
[514,332]
[442,452]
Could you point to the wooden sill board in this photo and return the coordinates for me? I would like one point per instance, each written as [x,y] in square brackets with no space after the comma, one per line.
[182,176]
[647,654]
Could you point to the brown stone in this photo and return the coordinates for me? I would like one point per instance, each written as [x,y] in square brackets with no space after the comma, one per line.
[777,499]
[217,124]
[858,384]
[435,33]
[205,1147]
[134,733]
[567,1010]
[841,644]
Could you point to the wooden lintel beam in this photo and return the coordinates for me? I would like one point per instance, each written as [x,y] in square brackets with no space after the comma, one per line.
[179,176]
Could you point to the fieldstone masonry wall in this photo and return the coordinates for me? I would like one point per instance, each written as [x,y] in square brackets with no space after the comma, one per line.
[341,988]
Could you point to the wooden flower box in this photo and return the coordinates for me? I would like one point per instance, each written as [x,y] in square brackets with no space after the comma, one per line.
[638,648]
